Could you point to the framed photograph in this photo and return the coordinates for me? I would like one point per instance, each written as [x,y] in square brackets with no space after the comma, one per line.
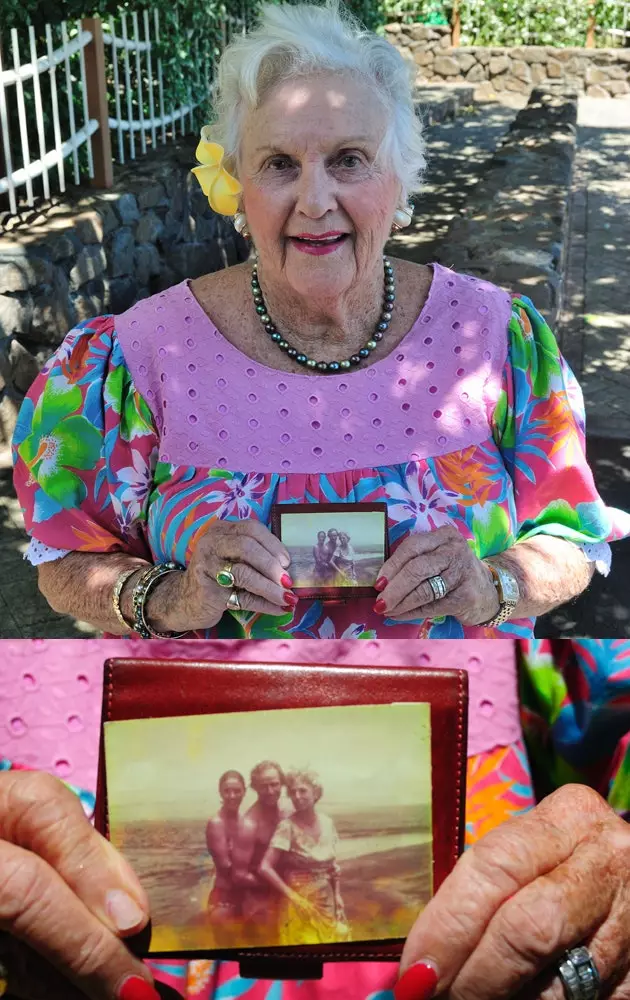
[336,549]
[279,828]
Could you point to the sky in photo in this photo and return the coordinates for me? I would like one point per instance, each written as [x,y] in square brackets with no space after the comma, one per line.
[366,756]
[366,528]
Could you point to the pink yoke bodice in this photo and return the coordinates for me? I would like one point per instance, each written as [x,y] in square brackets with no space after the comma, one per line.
[215,407]
[50,690]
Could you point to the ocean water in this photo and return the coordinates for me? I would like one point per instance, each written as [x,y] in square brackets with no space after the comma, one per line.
[385,876]
[367,564]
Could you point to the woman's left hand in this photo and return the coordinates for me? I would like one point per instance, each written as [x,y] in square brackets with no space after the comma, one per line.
[540,884]
[406,594]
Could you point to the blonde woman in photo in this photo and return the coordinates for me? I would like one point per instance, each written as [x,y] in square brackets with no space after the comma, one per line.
[304,850]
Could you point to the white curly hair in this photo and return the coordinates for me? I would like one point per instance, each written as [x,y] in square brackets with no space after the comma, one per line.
[297,40]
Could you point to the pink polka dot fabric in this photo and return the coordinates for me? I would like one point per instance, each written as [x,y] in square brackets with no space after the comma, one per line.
[213,406]
[50,690]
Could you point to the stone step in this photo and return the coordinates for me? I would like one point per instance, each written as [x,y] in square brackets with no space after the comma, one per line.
[442,101]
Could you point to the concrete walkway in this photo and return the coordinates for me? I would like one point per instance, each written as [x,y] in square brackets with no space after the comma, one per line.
[594,333]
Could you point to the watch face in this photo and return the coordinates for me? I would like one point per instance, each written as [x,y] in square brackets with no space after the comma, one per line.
[509,586]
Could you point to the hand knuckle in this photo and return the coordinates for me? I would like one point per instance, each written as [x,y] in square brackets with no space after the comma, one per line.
[423,595]
[94,953]
[579,799]
[40,806]
[529,928]
[22,887]
[244,575]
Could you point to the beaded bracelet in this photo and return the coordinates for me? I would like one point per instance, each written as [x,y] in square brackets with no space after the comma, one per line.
[141,593]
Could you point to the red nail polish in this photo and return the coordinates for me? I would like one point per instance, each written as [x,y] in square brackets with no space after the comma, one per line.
[379,606]
[285,580]
[290,599]
[381,583]
[417,983]
[136,988]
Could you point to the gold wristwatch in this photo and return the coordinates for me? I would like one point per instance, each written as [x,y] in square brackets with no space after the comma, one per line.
[508,592]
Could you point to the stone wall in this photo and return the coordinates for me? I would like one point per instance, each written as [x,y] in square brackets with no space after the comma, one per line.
[596,72]
[100,252]
[514,228]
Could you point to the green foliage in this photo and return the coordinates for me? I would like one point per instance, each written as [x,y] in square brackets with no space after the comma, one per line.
[518,22]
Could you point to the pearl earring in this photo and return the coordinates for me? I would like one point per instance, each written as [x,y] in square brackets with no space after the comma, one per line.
[402,218]
[240,224]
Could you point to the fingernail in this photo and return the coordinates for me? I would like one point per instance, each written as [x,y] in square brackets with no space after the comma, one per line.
[285,580]
[136,988]
[123,910]
[379,606]
[290,599]
[418,982]
[381,583]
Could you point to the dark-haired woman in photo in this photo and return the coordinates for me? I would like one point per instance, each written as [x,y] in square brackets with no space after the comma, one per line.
[225,899]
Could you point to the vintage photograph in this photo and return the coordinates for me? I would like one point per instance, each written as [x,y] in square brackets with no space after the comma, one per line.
[333,546]
[275,828]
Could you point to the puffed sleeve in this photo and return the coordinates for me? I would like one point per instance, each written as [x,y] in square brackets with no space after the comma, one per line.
[282,837]
[538,424]
[575,696]
[85,448]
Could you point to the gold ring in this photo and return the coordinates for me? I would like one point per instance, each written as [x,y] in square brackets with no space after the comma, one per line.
[4,979]
[225,576]
[233,602]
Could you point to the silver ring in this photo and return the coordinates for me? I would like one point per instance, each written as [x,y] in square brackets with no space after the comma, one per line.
[579,975]
[438,586]
[233,602]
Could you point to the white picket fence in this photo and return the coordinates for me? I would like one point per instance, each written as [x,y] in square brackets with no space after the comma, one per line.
[129,60]
[32,71]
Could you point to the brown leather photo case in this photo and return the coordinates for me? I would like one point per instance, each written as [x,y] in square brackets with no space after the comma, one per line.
[137,689]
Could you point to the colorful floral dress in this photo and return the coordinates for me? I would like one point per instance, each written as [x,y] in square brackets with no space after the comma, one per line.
[576,718]
[145,427]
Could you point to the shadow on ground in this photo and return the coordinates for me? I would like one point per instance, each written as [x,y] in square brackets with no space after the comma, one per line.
[456,153]
[24,614]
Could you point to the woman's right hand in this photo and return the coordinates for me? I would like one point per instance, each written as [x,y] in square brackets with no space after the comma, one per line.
[66,899]
[184,602]
[306,909]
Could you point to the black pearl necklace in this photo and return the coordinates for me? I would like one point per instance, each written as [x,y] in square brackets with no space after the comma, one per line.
[328,367]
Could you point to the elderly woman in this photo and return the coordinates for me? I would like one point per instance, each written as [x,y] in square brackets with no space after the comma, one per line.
[535,879]
[154,444]
[301,864]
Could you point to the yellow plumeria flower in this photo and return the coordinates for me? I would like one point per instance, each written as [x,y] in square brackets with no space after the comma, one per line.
[220,188]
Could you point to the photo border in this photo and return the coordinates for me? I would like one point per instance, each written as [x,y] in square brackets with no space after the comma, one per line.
[156,687]
[328,594]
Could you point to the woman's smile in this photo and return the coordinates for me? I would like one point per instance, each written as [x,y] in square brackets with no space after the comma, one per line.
[326,243]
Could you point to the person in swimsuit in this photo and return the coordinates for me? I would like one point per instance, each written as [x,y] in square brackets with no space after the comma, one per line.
[301,864]
[321,559]
[225,899]
[260,900]
[342,561]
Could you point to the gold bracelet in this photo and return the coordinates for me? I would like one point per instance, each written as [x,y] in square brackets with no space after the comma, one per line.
[120,583]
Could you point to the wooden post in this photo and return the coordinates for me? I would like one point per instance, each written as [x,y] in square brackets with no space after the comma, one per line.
[4,198]
[95,76]
[590,25]
[456,25]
